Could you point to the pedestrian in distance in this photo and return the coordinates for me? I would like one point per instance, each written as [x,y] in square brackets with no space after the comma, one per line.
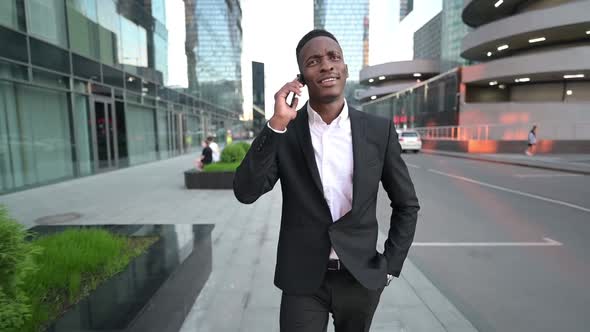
[330,159]
[206,157]
[215,148]
[532,142]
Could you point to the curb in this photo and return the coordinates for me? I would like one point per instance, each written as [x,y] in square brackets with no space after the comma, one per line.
[508,162]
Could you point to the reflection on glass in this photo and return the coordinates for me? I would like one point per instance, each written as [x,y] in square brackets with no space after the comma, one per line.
[164,148]
[134,44]
[141,134]
[161,55]
[11,14]
[109,31]
[82,127]
[159,10]
[47,20]
[102,129]
[39,143]
[83,30]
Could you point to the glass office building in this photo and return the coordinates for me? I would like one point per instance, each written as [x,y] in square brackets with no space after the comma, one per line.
[452,33]
[81,91]
[427,40]
[214,50]
[348,21]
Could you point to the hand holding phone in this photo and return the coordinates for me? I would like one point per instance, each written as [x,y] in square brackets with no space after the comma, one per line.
[300,80]
[284,110]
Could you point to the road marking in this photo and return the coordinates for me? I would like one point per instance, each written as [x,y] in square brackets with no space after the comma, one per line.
[413,166]
[522,176]
[547,243]
[573,206]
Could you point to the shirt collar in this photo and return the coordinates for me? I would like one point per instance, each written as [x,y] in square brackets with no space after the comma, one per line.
[315,118]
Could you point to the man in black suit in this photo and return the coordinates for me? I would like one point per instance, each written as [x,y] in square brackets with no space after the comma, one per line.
[330,160]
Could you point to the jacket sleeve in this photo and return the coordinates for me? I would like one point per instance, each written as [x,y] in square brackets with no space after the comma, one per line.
[258,172]
[404,203]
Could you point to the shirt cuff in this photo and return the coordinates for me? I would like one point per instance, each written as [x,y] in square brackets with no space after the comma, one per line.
[276,131]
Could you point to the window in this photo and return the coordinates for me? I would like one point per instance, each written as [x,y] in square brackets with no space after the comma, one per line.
[12,14]
[35,143]
[83,29]
[47,19]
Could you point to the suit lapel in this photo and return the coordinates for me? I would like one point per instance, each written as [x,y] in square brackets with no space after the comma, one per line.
[304,138]
[357,126]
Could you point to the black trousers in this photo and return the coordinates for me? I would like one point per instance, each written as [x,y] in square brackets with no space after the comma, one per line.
[351,304]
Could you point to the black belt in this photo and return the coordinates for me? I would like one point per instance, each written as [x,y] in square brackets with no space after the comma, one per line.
[335,265]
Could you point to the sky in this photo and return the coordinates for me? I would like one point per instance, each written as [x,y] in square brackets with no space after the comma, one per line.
[391,40]
[272,29]
[177,75]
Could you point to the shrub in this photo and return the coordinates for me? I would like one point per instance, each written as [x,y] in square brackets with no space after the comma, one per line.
[245,145]
[233,153]
[221,167]
[17,262]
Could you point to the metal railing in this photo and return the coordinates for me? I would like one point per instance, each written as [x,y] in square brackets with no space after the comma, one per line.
[546,130]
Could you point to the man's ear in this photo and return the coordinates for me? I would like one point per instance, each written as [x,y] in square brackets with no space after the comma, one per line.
[346,70]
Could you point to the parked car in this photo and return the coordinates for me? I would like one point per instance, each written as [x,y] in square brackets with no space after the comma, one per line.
[409,140]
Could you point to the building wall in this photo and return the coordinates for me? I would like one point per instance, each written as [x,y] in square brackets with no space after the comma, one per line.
[557,121]
[427,40]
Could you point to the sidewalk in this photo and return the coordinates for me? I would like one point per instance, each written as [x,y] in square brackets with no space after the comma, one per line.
[570,163]
[239,295]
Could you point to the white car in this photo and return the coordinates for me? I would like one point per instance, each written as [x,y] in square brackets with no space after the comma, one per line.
[409,140]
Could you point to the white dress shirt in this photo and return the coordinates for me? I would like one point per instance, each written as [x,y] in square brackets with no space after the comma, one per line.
[332,147]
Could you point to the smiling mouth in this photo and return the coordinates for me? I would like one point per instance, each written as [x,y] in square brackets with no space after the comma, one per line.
[328,80]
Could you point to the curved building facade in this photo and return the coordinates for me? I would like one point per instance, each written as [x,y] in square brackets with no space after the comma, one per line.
[386,80]
[391,77]
[534,68]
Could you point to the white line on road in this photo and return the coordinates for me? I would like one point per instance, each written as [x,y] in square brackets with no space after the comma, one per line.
[547,243]
[413,166]
[573,206]
[543,175]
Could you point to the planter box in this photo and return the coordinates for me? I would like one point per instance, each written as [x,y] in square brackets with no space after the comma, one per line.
[157,289]
[208,180]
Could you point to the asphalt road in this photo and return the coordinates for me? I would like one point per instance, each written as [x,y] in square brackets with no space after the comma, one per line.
[509,246]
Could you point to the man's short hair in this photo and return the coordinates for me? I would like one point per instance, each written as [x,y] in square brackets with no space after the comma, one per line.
[209,139]
[311,35]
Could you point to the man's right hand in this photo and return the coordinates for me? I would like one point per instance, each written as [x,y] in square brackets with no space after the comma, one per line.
[283,113]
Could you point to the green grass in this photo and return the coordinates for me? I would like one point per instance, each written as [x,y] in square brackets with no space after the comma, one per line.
[72,264]
[221,167]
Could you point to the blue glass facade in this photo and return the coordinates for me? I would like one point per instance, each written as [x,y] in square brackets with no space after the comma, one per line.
[453,31]
[214,50]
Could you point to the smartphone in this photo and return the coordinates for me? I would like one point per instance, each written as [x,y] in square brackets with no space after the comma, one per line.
[292,94]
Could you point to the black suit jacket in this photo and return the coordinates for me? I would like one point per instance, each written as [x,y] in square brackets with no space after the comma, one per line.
[307,230]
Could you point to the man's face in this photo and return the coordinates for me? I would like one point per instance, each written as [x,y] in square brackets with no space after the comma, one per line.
[322,64]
